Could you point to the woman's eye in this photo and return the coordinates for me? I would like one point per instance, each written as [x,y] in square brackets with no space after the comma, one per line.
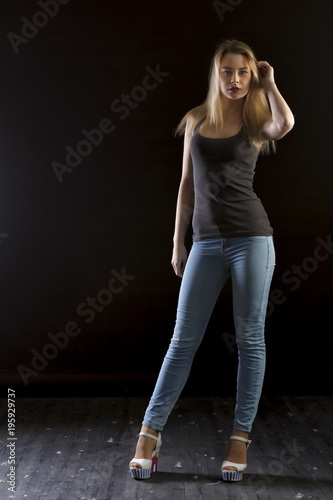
[227,72]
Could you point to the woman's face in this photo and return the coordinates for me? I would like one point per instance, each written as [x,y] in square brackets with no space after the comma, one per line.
[235,76]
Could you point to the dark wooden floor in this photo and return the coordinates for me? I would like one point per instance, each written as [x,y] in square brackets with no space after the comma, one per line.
[79,448]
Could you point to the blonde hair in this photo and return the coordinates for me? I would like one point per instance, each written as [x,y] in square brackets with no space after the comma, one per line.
[256,109]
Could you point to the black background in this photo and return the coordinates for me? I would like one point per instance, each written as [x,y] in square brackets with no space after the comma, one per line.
[59,241]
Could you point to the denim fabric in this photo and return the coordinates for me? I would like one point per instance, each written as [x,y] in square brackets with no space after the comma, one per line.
[250,262]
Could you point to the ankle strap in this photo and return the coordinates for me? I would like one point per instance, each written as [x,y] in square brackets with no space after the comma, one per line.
[148,435]
[238,438]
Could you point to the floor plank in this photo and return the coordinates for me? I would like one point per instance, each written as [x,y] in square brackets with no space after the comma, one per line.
[79,449]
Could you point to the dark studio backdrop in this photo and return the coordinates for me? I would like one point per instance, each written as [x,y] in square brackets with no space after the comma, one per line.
[91,92]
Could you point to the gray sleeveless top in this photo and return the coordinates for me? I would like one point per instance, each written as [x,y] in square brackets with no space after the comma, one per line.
[225,203]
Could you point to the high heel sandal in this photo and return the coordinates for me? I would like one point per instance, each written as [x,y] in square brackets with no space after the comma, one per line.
[234,475]
[148,466]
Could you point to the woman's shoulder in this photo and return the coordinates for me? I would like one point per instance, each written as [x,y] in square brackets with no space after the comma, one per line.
[191,119]
[190,125]
[194,121]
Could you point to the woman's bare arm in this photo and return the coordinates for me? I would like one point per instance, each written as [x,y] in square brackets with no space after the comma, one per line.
[184,210]
[282,117]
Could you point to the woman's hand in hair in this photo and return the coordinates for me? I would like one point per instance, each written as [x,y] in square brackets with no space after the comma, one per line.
[179,258]
[266,74]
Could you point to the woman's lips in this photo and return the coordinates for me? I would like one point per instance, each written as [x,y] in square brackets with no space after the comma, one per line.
[234,89]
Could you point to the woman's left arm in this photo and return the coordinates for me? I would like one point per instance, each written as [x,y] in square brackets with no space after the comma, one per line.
[282,118]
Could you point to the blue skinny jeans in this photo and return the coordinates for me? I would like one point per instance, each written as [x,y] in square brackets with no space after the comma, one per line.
[250,262]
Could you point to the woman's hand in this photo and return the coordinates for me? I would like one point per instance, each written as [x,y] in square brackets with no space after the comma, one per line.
[266,74]
[179,258]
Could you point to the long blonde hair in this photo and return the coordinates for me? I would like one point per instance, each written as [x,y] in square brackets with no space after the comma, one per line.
[256,109]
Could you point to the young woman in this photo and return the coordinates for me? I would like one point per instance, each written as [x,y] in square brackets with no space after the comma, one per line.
[232,236]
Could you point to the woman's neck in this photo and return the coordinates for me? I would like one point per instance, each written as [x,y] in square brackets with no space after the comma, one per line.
[232,110]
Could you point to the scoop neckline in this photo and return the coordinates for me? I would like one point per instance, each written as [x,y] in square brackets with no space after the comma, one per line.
[221,138]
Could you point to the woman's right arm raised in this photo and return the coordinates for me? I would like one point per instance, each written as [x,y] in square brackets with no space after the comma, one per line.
[185,204]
